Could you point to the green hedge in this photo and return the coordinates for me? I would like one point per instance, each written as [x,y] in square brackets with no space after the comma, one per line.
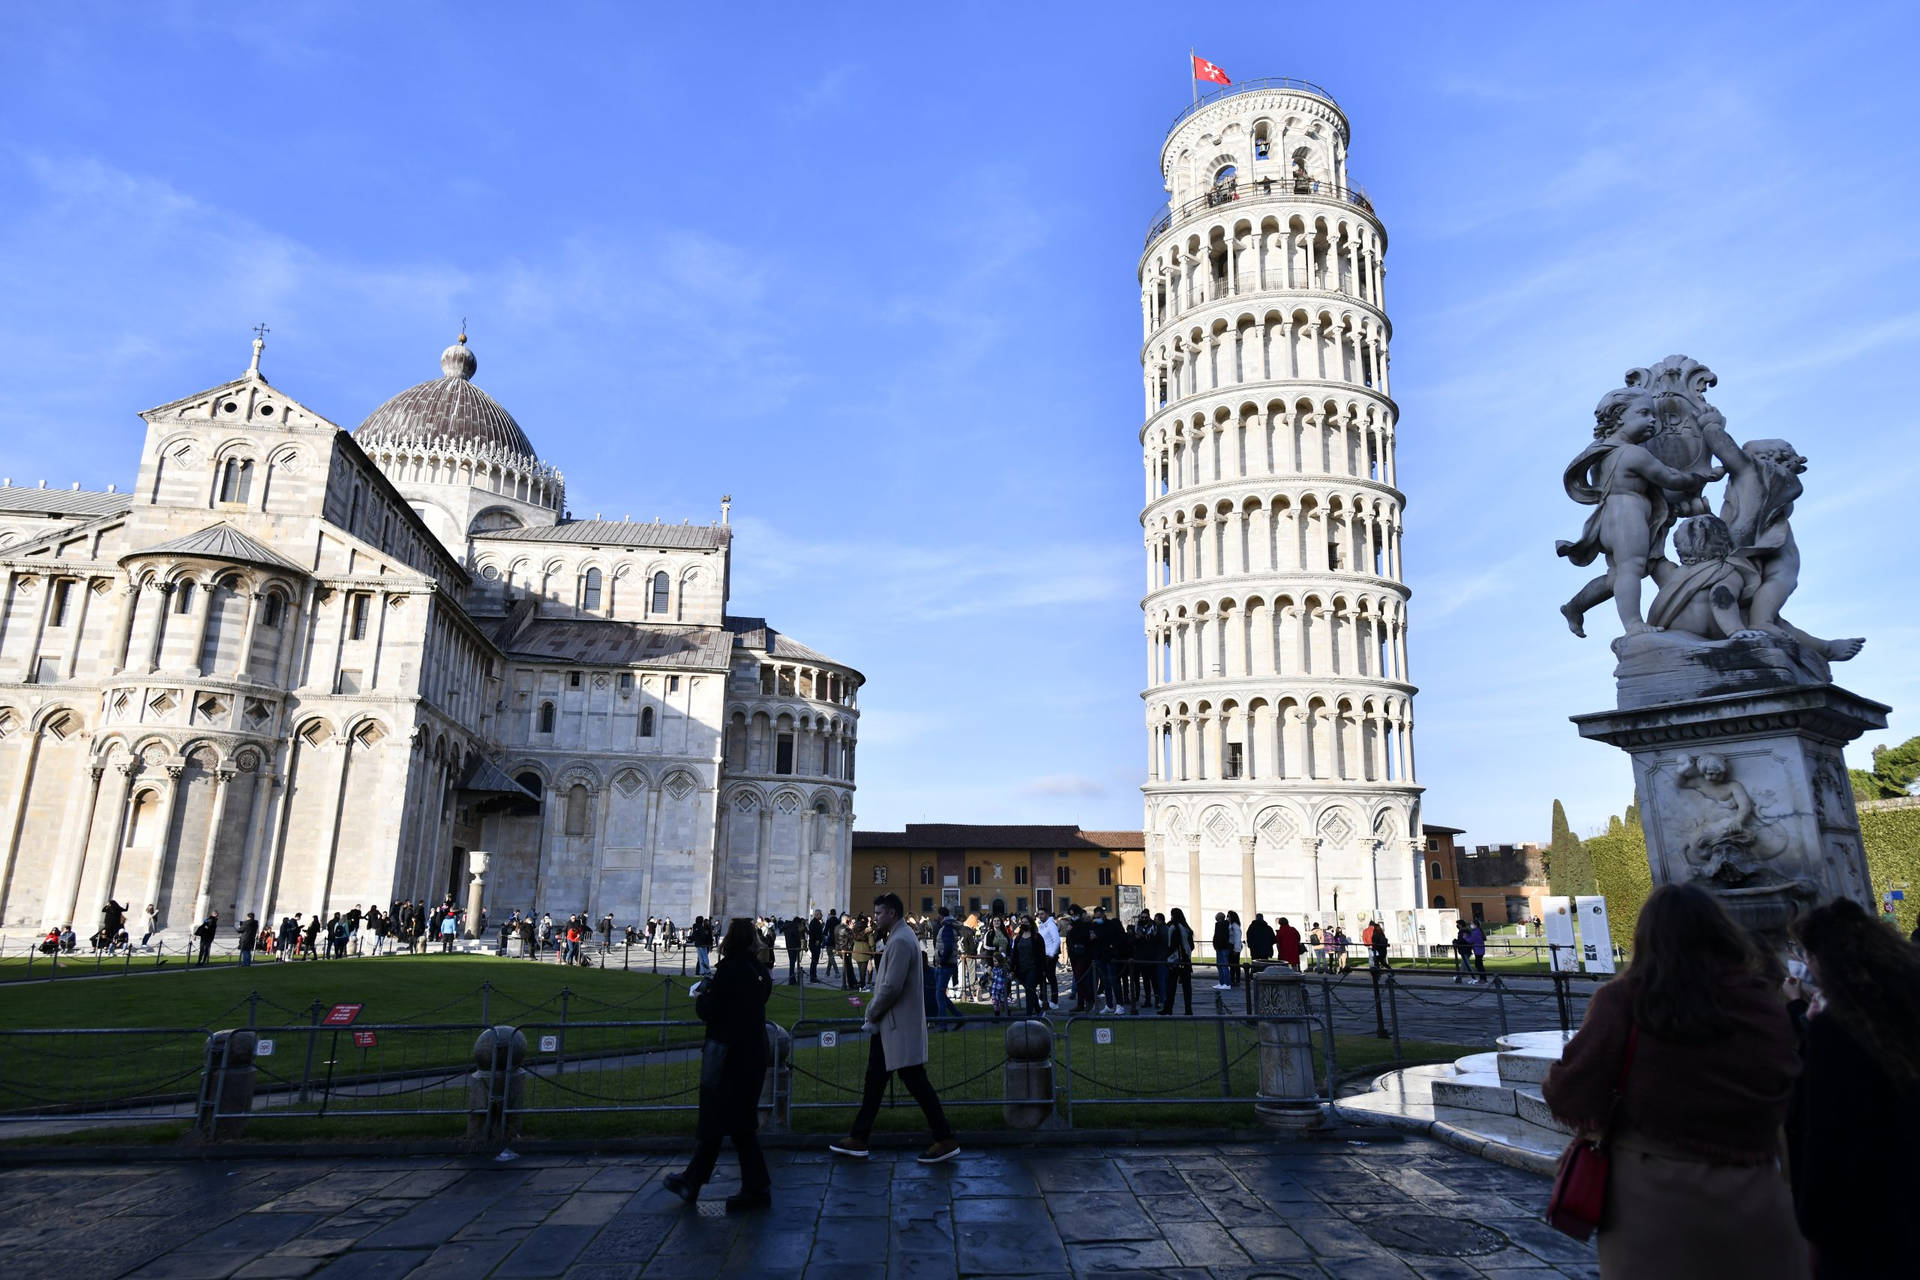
[1893,854]
[1620,868]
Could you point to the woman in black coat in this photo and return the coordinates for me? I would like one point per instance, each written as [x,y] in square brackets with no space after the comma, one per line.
[1029,956]
[733,1066]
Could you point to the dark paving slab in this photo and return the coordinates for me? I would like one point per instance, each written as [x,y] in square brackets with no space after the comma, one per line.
[1409,1211]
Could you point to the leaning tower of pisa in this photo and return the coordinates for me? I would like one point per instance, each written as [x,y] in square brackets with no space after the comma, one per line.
[1280,770]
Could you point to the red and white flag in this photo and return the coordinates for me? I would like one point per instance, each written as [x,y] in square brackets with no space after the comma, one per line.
[1204,70]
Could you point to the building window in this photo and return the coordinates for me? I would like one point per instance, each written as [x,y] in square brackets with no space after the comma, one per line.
[47,670]
[673,684]
[786,681]
[183,598]
[590,591]
[1020,905]
[573,679]
[626,682]
[531,781]
[1106,875]
[236,480]
[546,717]
[1439,902]
[646,722]
[926,906]
[766,679]
[62,598]
[1063,874]
[577,800]
[783,753]
[348,682]
[1107,903]
[659,604]
[973,875]
[270,610]
[973,905]
[357,616]
[1436,872]
[880,873]
[926,873]
[1019,874]
[1234,756]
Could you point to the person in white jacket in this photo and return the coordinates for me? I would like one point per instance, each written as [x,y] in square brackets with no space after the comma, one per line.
[1050,940]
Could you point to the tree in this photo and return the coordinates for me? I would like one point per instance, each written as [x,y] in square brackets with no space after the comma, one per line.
[1894,772]
[1569,868]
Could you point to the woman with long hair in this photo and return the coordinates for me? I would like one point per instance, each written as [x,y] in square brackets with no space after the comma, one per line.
[1179,960]
[733,1065]
[1687,1062]
[1856,1121]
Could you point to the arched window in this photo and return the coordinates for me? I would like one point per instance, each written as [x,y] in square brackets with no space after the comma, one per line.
[236,480]
[270,609]
[1439,901]
[546,717]
[144,820]
[590,591]
[1223,177]
[577,800]
[646,722]
[530,780]
[183,597]
[1436,872]
[660,584]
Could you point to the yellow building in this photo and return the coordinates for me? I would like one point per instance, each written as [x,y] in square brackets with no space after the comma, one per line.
[1012,869]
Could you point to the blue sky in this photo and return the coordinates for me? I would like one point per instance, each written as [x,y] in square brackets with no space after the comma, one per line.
[870,269]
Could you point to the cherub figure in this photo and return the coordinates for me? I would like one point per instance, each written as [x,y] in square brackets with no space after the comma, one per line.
[1623,479]
[1763,481]
[1731,832]
[1701,595]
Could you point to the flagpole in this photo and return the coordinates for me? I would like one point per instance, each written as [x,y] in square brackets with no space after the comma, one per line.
[1191,78]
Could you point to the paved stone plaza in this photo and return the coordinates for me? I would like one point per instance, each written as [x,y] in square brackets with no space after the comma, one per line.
[1342,1209]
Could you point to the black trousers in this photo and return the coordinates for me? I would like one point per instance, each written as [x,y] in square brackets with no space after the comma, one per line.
[745,1132]
[1051,977]
[914,1077]
[1179,976]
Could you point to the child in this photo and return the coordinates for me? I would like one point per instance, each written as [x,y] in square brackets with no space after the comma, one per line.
[1000,982]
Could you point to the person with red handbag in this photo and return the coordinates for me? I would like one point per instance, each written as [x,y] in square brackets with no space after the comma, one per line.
[1678,1084]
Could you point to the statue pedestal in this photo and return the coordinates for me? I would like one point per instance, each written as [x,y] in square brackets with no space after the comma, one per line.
[1288,1090]
[1747,795]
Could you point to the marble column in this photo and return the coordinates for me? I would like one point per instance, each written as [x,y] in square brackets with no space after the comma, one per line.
[215,820]
[169,797]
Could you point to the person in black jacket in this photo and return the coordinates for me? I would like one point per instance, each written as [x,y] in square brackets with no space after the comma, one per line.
[733,1065]
[1179,959]
[249,933]
[1855,1120]
[1029,959]
[1260,938]
[816,938]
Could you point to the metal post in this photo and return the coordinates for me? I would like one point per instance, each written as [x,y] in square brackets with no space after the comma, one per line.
[1226,1073]
[486,990]
[306,1072]
[1326,1000]
[253,1009]
[1560,999]
[1379,1017]
[560,1055]
[1500,1002]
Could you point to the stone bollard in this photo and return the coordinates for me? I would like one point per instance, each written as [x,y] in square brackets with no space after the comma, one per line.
[776,1095]
[1028,1075]
[226,1087]
[497,1086]
[1286,1052]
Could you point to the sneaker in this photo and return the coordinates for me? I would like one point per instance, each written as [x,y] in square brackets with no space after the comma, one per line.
[943,1150]
[749,1201]
[855,1147]
[679,1186]
[1221,986]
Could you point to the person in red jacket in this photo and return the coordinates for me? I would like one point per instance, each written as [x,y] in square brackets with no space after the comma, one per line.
[1286,941]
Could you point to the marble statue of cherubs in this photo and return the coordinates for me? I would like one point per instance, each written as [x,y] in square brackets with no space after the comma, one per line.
[1625,482]
[1729,829]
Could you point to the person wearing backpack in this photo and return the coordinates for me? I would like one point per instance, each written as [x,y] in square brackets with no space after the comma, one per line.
[946,959]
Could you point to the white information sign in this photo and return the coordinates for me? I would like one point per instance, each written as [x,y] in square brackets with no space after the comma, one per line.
[1559,934]
[1596,938]
[549,1044]
[264,1049]
[829,1039]
[1103,1035]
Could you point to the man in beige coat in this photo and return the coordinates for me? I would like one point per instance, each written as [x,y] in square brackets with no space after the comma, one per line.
[896,1025]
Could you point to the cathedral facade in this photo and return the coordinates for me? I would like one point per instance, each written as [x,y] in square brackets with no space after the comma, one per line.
[296,668]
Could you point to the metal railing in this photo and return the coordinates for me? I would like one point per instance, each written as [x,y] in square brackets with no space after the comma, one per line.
[1258,189]
[1210,96]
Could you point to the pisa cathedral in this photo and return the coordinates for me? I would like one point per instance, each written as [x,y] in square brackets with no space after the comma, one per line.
[1280,763]
[296,668]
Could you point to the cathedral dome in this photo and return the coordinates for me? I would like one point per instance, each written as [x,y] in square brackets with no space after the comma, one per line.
[449,407]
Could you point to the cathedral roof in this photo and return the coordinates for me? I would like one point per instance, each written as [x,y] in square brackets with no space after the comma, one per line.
[618,533]
[967,835]
[600,642]
[449,407]
[220,542]
[19,499]
[754,633]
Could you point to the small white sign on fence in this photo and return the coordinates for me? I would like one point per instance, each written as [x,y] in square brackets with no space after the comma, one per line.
[549,1044]
[829,1039]
[264,1049]
[1103,1035]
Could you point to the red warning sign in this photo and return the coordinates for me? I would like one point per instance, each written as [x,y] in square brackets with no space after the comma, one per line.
[365,1039]
[342,1015]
